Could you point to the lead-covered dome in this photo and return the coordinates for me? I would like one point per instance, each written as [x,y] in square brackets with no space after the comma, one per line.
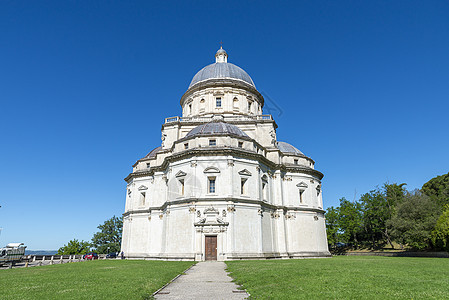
[288,149]
[221,69]
[216,128]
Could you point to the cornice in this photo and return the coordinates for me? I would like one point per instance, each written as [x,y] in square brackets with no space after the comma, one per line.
[241,122]
[224,200]
[224,151]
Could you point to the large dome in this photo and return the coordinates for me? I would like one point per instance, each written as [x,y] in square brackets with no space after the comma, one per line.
[221,69]
[216,128]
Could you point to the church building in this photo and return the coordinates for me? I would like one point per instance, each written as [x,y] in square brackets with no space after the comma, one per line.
[221,186]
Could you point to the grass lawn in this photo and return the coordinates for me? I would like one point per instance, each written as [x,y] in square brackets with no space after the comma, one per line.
[344,277]
[101,279]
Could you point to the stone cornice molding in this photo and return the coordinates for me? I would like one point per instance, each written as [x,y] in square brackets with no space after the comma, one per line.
[197,122]
[224,151]
[225,201]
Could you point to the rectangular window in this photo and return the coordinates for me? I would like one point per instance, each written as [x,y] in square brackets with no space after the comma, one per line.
[242,186]
[182,187]
[186,146]
[212,142]
[142,199]
[240,144]
[296,161]
[212,185]
[249,106]
[301,192]
[218,102]
[190,108]
[148,165]
[264,191]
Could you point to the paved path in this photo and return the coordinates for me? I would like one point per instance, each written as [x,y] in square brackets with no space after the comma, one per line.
[205,280]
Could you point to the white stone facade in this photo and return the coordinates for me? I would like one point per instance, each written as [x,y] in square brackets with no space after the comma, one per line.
[220,179]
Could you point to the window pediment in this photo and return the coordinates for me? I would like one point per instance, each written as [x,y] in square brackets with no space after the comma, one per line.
[142,188]
[245,172]
[180,174]
[302,185]
[210,170]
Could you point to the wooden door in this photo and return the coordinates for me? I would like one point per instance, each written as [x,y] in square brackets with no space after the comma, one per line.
[211,247]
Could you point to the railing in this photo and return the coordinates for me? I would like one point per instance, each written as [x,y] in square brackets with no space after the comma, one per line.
[226,118]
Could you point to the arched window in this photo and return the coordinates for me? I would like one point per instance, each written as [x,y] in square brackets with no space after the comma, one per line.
[202,105]
[235,103]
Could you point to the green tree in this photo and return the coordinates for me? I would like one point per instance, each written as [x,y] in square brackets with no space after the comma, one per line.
[109,237]
[394,194]
[350,221]
[414,220]
[437,189]
[440,235]
[378,207]
[74,247]
[375,214]
[332,226]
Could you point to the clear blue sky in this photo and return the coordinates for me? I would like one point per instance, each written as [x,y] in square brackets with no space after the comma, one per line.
[362,88]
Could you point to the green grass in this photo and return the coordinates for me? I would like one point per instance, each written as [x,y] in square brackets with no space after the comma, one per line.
[102,279]
[344,277]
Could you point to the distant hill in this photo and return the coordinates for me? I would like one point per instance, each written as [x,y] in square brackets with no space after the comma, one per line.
[40,252]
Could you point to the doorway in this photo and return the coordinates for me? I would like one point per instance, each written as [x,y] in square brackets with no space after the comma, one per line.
[211,247]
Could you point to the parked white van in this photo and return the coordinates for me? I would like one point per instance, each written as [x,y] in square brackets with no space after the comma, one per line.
[12,253]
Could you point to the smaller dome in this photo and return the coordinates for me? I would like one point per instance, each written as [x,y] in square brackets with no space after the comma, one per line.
[216,128]
[153,152]
[288,149]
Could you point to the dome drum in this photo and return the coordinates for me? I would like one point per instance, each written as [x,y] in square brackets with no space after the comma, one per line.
[223,84]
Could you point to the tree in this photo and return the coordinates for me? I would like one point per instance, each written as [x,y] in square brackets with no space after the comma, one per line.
[414,220]
[375,214]
[109,238]
[437,189]
[378,207]
[394,194]
[332,226]
[350,221]
[440,235]
[74,247]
